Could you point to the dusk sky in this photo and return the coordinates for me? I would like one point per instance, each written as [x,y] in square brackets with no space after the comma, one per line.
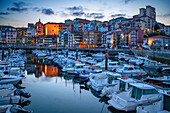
[22,12]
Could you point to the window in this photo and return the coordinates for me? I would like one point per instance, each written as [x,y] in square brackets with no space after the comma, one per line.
[136,93]
[130,68]
[149,91]
[122,86]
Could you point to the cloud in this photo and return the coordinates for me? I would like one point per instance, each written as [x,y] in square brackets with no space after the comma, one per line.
[75,8]
[75,11]
[4,13]
[18,7]
[47,11]
[37,9]
[78,13]
[128,1]
[164,15]
[94,15]
[117,15]
[20,4]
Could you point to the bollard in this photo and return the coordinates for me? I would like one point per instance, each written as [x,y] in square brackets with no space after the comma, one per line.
[106,61]
[76,55]
[3,53]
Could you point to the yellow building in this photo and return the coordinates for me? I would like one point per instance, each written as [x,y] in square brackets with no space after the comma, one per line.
[53,28]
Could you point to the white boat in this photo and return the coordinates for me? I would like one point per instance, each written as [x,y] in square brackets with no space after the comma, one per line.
[130,71]
[82,58]
[138,94]
[13,109]
[121,85]
[111,66]
[77,68]
[120,56]
[40,55]
[98,80]
[141,60]
[98,56]
[9,79]
[17,71]
[148,108]
[6,89]
[153,64]
[11,99]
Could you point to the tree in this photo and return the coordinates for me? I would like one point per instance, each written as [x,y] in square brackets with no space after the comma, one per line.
[156,27]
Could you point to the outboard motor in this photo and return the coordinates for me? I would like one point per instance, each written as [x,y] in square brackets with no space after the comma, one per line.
[21,93]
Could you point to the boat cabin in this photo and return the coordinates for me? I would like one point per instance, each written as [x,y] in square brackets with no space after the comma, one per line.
[142,91]
[123,84]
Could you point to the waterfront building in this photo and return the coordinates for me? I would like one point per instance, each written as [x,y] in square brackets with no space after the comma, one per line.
[71,40]
[92,39]
[21,36]
[102,28]
[159,41]
[68,22]
[132,37]
[148,14]
[39,28]
[78,24]
[11,35]
[53,28]
[3,30]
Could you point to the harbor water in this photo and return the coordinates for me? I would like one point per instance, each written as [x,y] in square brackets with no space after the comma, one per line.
[55,92]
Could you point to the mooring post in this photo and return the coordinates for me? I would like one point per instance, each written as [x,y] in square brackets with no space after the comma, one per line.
[76,54]
[2,53]
[106,59]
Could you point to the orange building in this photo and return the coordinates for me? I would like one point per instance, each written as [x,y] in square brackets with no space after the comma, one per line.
[39,28]
[53,28]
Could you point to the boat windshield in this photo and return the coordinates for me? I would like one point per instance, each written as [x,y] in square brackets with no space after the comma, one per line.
[136,93]
[122,86]
[125,68]
[149,91]
[1,68]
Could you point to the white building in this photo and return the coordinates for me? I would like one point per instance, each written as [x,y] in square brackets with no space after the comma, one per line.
[11,35]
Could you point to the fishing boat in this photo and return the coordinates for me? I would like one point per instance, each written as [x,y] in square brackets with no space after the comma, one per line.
[138,94]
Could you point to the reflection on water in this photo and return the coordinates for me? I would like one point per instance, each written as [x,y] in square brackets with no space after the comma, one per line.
[55,92]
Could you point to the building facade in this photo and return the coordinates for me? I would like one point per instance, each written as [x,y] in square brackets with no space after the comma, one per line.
[39,28]
[53,28]
[11,35]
